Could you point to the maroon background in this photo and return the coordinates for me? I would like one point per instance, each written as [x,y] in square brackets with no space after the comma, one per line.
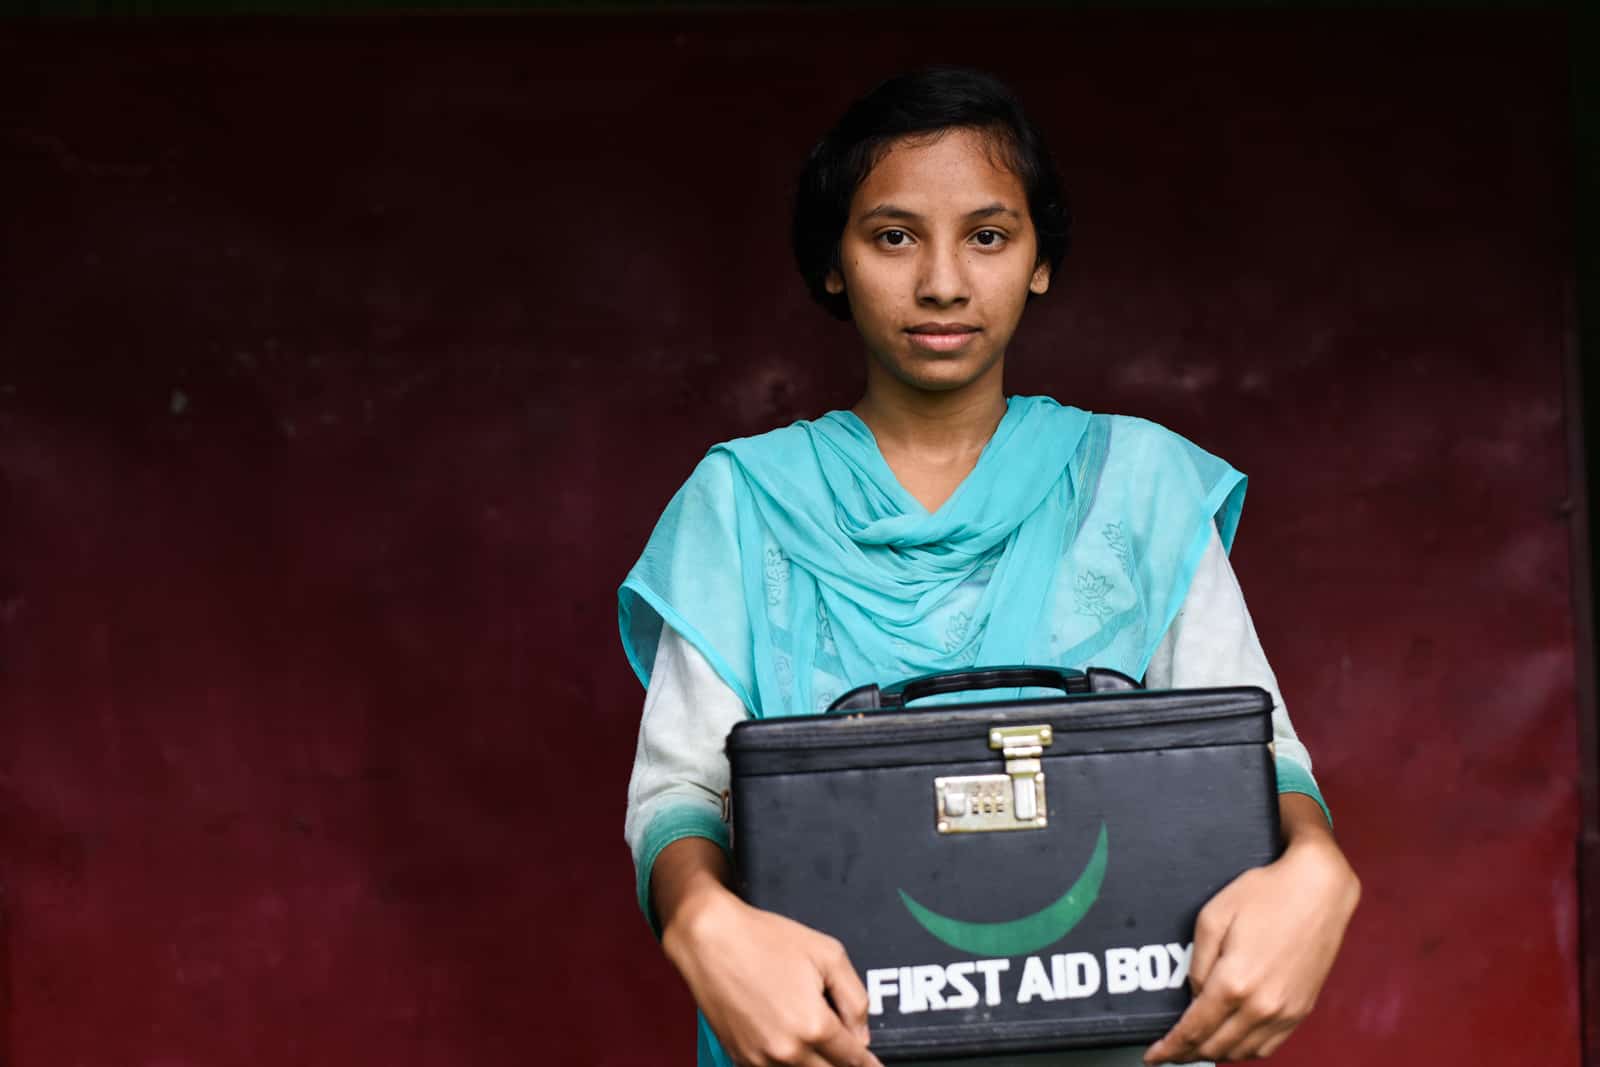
[346,365]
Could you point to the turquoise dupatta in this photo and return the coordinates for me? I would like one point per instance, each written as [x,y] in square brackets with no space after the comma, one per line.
[800,568]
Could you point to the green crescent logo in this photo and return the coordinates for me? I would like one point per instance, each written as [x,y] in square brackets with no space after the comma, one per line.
[1019,937]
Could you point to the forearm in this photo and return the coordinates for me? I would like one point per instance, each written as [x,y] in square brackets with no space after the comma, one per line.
[1302,820]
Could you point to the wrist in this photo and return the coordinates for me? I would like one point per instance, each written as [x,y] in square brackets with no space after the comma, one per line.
[704,905]
[1322,866]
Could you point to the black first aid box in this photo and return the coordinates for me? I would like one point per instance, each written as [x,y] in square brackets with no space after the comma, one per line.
[1013,875]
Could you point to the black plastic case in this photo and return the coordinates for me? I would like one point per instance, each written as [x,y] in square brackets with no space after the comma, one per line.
[1070,933]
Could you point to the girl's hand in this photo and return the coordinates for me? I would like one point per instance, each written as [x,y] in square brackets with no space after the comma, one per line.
[1264,945]
[773,990]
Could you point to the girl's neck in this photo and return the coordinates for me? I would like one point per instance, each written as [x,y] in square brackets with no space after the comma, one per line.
[931,440]
[932,425]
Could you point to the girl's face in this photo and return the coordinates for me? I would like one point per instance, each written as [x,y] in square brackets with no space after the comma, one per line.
[938,257]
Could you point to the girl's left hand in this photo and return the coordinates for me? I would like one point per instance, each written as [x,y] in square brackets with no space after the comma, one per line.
[1264,945]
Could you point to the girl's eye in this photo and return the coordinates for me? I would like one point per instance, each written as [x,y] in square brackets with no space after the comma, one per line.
[894,238]
[989,238]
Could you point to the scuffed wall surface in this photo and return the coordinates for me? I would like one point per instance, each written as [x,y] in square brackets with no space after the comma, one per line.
[345,365]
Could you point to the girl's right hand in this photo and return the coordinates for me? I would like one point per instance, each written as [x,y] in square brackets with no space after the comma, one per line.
[774,991]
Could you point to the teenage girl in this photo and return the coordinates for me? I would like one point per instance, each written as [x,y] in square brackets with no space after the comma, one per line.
[938,524]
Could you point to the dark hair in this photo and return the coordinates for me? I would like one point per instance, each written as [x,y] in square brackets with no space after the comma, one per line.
[920,102]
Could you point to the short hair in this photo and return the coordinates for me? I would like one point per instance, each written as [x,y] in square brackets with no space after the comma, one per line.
[926,101]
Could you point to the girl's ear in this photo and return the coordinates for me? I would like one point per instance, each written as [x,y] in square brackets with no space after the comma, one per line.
[1041,279]
[833,281]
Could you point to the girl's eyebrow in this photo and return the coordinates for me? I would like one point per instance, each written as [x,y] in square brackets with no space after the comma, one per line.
[992,210]
[891,211]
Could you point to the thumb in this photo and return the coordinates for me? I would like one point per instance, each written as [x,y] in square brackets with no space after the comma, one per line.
[844,988]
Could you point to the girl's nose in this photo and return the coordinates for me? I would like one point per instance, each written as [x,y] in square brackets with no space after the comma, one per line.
[942,281]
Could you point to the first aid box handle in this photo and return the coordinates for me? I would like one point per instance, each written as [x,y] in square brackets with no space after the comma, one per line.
[895,697]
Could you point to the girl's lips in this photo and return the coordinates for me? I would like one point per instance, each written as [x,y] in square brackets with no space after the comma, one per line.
[941,342]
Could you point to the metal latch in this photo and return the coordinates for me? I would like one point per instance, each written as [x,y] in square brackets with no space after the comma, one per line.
[984,803]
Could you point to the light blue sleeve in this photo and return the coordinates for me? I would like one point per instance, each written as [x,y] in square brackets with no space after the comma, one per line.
[680,770]
[1212,641]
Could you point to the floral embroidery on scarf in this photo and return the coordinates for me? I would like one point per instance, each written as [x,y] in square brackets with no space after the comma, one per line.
[824,629]
[1092,592]
[961,639]
[1117,538]
[955,631]
[969,655]
[777,573]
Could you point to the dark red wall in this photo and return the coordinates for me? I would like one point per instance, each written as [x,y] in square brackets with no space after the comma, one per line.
[344,367]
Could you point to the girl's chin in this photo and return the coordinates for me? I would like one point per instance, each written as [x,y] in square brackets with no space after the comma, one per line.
[934,374]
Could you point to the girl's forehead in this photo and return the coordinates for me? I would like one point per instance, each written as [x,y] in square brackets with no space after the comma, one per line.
[948,166]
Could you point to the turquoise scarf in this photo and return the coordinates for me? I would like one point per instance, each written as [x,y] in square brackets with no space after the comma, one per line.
[798,566]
